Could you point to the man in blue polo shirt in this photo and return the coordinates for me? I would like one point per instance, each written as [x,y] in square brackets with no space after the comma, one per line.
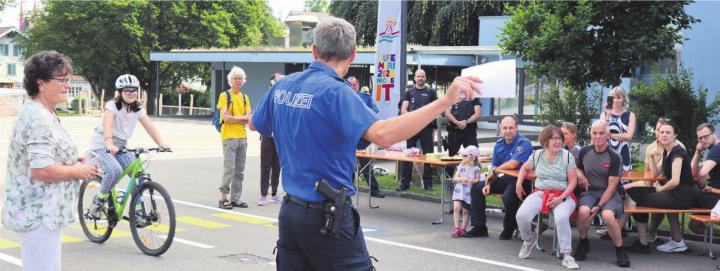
[317,122]
[510,152]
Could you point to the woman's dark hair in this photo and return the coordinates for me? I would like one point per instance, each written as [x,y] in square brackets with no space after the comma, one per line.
[671,124]
[44,65]
[547,133]
[134,106]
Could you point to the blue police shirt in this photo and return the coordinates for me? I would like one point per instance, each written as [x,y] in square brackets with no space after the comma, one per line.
[368,101]
[317,121]
[520,149]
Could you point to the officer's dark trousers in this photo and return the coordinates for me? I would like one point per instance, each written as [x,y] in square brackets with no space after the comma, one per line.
[457,138]
[302,247]
[365,171]
[269,166]
[425,136]
[504,185]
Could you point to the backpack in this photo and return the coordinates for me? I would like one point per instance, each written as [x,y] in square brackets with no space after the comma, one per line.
[216,120]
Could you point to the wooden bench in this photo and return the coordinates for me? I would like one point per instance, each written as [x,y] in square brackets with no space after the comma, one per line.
[651,210]
[708,234]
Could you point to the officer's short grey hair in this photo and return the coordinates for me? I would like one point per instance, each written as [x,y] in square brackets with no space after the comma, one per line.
[236,71]
[602,123]
[334,39]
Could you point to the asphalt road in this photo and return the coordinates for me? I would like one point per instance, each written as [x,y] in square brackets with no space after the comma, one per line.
[399,234]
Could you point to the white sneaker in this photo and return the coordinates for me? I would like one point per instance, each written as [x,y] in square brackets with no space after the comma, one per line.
[569,262]
[602,231]
[526,249]
[276,199]
[673,246]
[263,201]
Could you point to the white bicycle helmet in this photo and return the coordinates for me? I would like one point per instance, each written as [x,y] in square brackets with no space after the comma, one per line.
[127,81]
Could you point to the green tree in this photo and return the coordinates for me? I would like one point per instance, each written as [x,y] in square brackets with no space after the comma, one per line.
[565,103]
[429,22]
[316,5]
[588,42]
[109,38]
[5,3]
[675,98]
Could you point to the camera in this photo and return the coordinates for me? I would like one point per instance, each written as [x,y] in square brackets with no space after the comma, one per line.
[610,99]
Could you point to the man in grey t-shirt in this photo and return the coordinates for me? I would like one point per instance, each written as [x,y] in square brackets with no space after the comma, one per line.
[599,170]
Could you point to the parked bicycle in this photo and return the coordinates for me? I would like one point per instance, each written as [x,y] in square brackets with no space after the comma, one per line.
[151,214]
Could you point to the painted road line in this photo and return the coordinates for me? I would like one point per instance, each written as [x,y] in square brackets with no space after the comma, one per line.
[451,254]
[69,239]
[199,222]
[115,233]
[245,219]
[161,228]
[5,243]
[10,259]
[381,241]
[188,242]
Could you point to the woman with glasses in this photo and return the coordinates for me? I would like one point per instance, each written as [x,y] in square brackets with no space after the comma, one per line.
[116,127]
[555,180]
[43,172]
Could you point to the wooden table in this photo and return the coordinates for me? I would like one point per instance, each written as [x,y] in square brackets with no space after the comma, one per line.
[639,176]
[399,156]
[635,176]
[708,235]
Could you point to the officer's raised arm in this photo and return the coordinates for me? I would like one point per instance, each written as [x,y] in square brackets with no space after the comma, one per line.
[390,131]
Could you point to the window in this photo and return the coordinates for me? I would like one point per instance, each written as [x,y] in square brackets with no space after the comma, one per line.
[11,69]
[4,48]
[17,50]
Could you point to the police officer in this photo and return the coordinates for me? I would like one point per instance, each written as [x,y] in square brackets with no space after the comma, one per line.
[462,124]
[317,122]
[510,152]
[363,162]
[416,97]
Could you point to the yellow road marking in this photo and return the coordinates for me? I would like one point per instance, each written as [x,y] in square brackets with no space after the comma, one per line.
[162,228]
[246,219]
[5,243]
[201,222]
[115,234]
[70,239]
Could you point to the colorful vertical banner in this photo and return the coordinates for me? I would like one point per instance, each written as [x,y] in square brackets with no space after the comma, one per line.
[386,92]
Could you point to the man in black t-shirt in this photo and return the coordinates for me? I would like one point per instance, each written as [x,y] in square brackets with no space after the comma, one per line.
[416,97]
[707,172]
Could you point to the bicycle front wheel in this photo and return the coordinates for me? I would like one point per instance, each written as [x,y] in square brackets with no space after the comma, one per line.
[97,229]
[152,219]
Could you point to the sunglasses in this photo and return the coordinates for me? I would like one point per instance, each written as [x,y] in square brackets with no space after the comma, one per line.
[466,155]
[130,90]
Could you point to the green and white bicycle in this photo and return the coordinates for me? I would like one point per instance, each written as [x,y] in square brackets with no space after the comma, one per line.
[151,214]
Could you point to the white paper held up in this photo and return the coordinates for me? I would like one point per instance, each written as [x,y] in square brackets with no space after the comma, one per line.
[499,78]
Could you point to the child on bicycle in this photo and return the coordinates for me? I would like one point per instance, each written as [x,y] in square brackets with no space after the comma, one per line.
[116,127]
[466,175]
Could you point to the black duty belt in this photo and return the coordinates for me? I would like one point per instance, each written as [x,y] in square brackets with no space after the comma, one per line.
[315,205]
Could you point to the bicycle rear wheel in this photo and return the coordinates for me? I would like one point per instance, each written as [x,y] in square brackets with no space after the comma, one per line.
[97,230]
[152,219]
